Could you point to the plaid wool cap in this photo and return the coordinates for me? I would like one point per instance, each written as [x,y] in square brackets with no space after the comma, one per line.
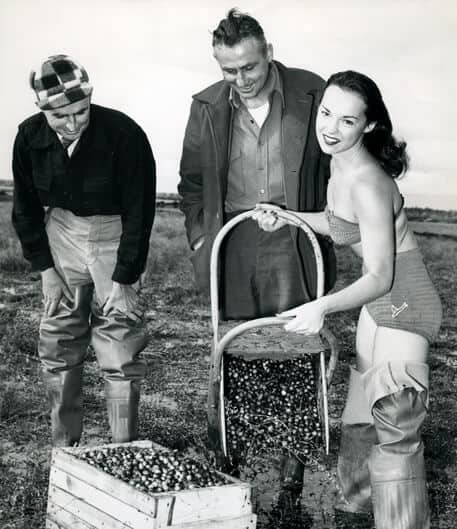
[59,81]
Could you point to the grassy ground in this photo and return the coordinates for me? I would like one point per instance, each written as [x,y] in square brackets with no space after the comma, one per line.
[432,215]
[173,405]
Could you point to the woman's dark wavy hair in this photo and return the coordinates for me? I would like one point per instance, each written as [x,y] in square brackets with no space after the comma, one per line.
[380,142]
[237,26]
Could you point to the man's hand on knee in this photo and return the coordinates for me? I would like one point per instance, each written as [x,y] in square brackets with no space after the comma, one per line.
[54,289]
[124,299]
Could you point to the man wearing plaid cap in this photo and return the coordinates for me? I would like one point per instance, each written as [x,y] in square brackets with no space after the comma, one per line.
[84,198]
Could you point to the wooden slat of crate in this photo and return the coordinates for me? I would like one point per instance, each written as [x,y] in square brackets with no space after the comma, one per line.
[248,521]
[205,503]
[70,521]
[50,524]
[64,519]
[64,509]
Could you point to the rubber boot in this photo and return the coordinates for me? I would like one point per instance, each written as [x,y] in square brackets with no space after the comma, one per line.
[288,512]
[358,435]
[64,389]
[291,473]
[397,463]
[122,400]
[357,441]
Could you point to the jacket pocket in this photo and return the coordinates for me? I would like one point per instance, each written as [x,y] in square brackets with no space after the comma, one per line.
[98,177]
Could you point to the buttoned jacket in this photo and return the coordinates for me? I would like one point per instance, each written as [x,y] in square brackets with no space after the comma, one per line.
[111,172]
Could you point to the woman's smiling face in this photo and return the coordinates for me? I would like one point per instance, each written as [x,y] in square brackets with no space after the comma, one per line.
[341,120]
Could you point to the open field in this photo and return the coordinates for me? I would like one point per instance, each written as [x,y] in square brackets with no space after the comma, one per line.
[173,404]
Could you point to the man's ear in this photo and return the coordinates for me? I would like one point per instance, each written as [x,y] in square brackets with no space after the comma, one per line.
[369,127]
[269,52]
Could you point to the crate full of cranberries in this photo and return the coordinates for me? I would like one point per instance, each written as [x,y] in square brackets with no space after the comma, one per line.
[142,485]
[273,407]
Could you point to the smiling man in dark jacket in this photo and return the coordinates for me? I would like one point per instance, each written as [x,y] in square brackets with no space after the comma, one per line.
[84,198]
[250,139]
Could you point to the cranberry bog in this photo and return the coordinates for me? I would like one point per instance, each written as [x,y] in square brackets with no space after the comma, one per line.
[173,408]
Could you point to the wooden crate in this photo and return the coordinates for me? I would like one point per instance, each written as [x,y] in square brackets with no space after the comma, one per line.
[84,497]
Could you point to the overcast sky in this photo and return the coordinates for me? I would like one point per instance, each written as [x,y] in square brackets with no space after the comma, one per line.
[147,57]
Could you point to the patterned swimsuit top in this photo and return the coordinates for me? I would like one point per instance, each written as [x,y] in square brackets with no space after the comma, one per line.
[344,232]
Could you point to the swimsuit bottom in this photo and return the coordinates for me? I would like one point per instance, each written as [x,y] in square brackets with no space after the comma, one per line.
[413,303]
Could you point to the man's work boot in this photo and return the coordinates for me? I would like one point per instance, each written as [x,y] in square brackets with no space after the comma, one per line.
[122,400]
[64,389]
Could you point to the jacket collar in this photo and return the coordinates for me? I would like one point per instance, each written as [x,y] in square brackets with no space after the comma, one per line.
[97,134]
[43,136]
[219,93]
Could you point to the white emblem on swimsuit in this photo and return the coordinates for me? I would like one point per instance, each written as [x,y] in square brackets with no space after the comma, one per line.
[396,310]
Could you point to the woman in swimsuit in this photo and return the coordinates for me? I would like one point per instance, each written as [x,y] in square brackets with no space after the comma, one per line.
[381,452]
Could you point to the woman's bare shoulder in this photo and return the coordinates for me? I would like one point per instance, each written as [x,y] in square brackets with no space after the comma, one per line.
[373,187]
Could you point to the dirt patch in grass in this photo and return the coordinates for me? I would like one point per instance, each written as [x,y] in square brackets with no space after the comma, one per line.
[173,405]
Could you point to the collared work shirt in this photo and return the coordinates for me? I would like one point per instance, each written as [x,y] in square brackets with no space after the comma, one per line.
[70,146]
[256,170]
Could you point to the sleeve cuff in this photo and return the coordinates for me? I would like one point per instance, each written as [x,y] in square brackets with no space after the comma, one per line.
[42,262]
[125,276]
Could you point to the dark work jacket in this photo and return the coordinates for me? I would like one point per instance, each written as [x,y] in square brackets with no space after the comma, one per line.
[205,161]
[111,172]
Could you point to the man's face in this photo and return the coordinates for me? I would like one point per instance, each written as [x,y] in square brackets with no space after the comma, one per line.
[71,120]
[245,66]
